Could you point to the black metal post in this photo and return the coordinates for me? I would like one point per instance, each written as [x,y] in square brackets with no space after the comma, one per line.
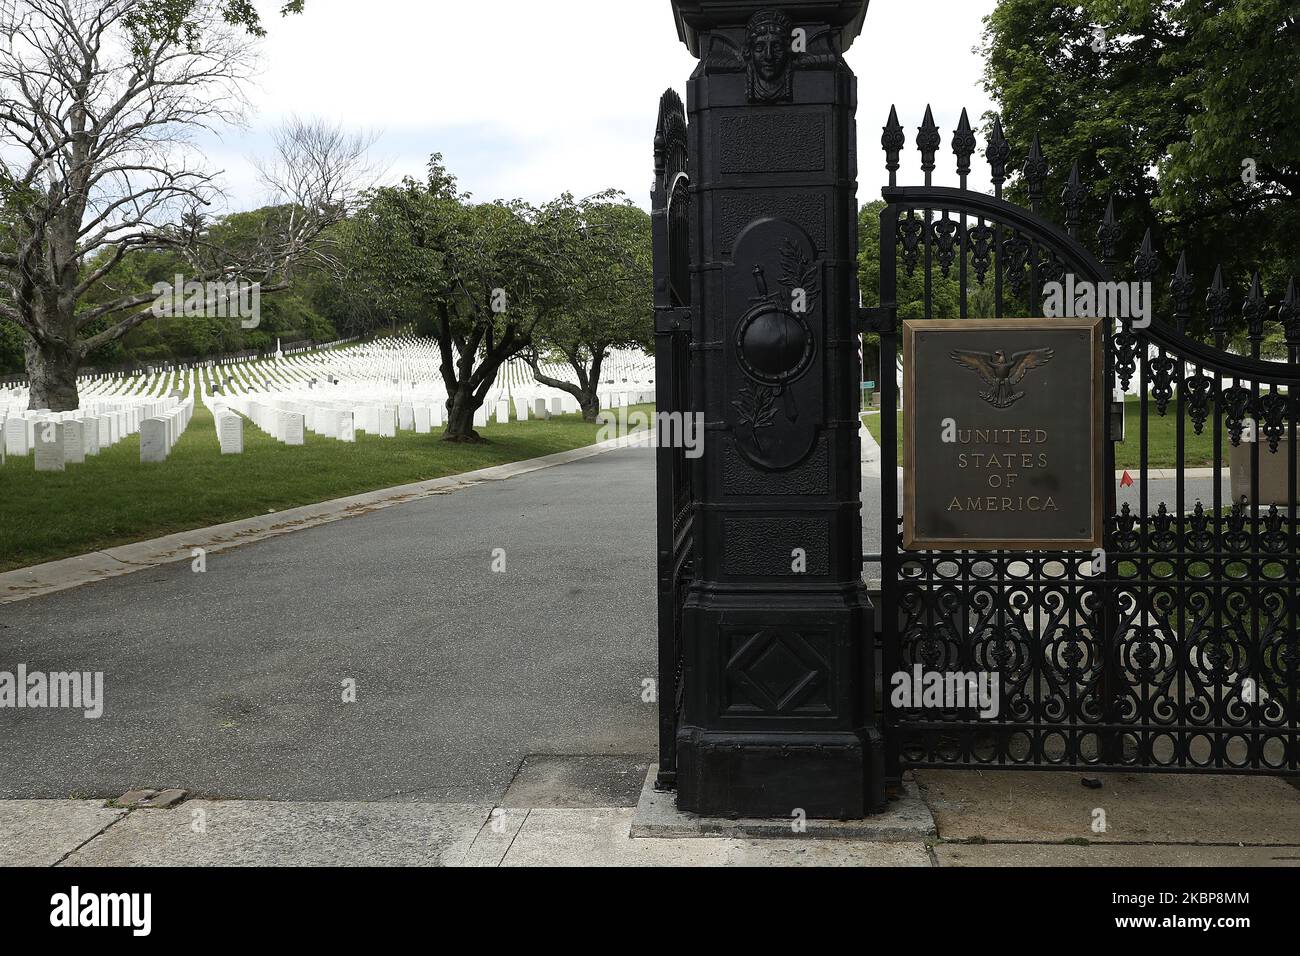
[776,627]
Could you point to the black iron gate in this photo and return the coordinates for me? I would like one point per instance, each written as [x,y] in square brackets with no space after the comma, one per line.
[1174,648]
[674,504]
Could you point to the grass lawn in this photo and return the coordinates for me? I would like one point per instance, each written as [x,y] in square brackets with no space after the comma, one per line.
[1162,438]
[116,499]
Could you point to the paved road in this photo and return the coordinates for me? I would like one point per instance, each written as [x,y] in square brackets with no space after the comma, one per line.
[229,683]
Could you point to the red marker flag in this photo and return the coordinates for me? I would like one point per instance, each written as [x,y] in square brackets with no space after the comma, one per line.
[1125,481]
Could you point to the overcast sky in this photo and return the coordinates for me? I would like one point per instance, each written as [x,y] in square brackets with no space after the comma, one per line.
[529,98]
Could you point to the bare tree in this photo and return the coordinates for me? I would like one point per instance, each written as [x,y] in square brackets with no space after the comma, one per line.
[318,174]
[98,101]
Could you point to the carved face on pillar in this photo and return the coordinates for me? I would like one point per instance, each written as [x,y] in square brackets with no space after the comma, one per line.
[767,56]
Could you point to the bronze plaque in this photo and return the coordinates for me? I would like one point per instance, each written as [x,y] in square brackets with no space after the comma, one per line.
[1002,432]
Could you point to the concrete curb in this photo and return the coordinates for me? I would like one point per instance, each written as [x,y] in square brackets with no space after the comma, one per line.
[41,579]
[907,819]
[1170,474]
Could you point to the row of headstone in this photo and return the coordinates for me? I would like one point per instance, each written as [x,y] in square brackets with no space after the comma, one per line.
[160,433]
[60,439]
[283,425]
[381,388]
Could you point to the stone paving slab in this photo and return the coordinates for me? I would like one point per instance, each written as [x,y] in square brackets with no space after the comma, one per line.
[495,837]
[1038,854]
[1050,807]
[42,832]
[257,833]
[561,781]
[603,838]
[261,833]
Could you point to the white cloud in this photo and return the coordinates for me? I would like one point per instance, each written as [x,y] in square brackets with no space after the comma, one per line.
[530,98]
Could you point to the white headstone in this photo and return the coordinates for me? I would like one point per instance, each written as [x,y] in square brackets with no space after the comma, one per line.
[74,442]
[436,413]
[557,405]
[387,421]
[540,409]
[291,428]
[15,437]
[153,440]
[423,420]
[90,434]
[405,417]
[325,421]
[480,417]
[346,429]
[49,446]
[503,413]
[230,432]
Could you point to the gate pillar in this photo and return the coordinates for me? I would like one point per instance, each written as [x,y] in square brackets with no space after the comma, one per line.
[777,712]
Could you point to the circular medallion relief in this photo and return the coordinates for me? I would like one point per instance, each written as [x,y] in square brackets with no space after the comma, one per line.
[775,345]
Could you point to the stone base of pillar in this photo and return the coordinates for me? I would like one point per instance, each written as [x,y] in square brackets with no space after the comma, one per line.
[829,776]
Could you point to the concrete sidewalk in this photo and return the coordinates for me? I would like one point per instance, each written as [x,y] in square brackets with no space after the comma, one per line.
[982,819]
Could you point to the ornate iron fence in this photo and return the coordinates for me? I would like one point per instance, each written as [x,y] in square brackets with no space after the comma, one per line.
[1176,648]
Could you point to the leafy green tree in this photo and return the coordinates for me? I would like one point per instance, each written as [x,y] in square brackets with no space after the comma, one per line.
[11,348]
[607,289]
[479,276]
[149,20]
[1184,110]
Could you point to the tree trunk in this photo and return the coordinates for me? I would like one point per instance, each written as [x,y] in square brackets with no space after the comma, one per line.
[584,391]
[460,416]
[52,374]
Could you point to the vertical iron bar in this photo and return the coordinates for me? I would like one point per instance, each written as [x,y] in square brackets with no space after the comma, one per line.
[1256,564]
[1288,315]
[889,555]
[1219,567]
[1145,618]
[1183,562]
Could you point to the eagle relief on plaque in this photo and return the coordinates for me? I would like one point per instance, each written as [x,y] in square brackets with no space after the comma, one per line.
[775,315]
